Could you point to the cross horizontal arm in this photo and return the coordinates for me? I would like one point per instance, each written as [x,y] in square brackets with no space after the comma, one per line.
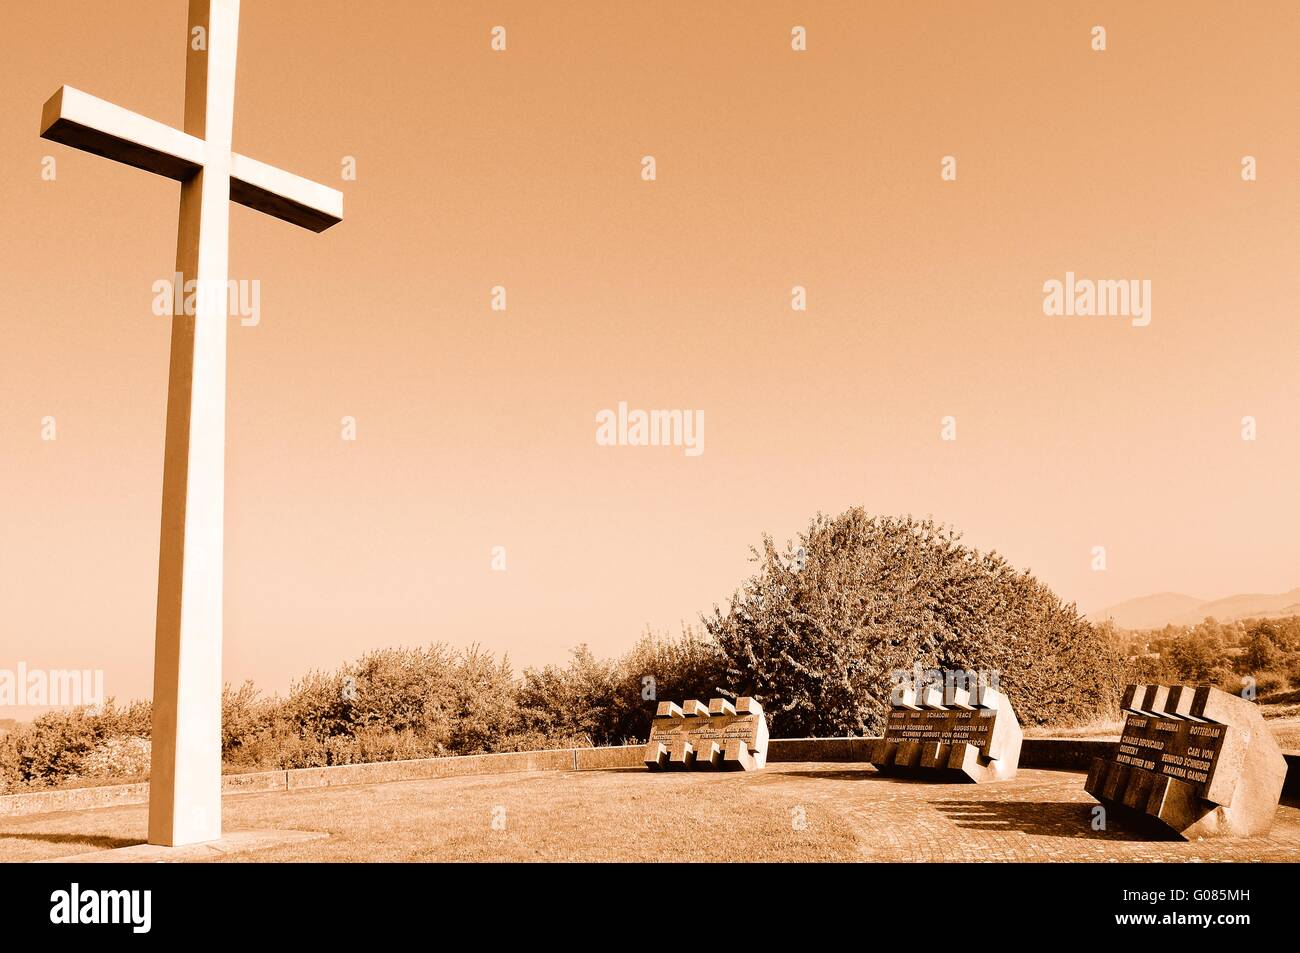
[283,194]
[85,122]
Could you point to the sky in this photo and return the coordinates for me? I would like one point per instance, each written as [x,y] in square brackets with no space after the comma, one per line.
[523,169]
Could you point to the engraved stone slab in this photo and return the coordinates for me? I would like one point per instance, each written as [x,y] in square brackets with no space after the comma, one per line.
[717,736]
[1193,762]
[955,738]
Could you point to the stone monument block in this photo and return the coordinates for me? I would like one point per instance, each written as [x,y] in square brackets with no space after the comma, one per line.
[717,736]
[950,735]
[1193,762]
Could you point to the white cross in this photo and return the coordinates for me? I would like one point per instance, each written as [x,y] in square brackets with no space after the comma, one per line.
[185,777]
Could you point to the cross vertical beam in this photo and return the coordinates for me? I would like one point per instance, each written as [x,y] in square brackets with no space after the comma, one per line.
[185,780]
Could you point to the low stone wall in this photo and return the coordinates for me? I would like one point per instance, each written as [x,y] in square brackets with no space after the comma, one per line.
[819,749]
[1063,754]
[116,795]
[622,756]
[561,759]
[250,783]
[73,799]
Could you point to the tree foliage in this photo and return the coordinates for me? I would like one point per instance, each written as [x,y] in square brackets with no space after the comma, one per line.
[822,630]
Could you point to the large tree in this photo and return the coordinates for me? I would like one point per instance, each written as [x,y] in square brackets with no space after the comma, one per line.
[819,632]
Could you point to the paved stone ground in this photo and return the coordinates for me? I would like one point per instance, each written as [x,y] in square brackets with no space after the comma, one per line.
[1038,816]
[847,812]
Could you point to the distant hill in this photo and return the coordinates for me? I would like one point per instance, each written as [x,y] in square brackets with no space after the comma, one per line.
[1174,608]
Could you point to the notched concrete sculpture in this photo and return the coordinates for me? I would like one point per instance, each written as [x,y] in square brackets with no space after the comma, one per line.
[185,775]
[719,736]
[1192,762]
[950,734]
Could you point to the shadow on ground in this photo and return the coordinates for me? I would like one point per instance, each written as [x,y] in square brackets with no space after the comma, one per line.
[1041,818]
[849,774]
[90,840]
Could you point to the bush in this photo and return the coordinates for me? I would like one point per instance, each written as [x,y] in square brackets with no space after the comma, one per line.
[1150,670]
[613,702]
[1269,683]
[118,757]
[579,699]
[818,633]
[1260,653]
[1200,655]
[55,747]
[390,704]
[668,669]
[400,689]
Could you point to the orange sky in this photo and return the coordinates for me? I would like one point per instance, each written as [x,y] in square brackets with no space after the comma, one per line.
[477,428]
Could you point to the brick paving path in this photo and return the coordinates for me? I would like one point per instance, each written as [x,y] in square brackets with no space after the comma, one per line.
[1038,816]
